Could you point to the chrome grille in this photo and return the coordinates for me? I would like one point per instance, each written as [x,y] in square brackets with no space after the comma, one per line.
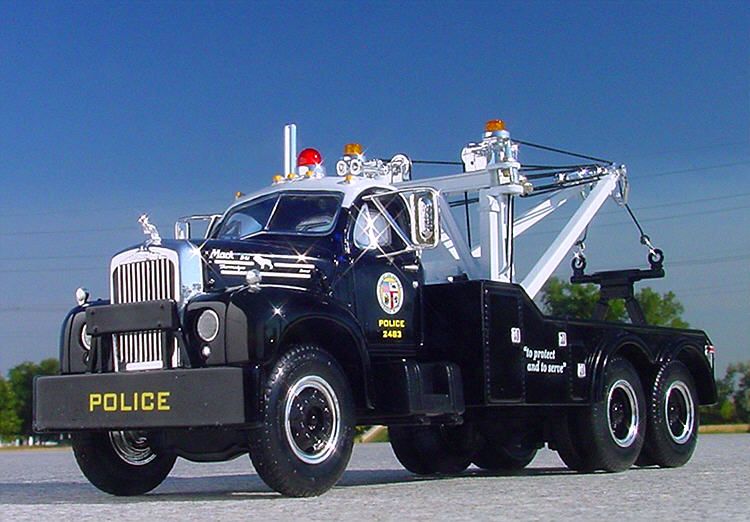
[147,279]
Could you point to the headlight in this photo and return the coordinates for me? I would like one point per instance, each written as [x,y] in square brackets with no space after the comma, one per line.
[207,326]
[85,338]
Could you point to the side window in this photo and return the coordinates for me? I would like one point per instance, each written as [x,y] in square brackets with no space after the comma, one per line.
[371,230]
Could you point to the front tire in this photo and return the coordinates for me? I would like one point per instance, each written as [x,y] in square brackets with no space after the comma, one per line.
[307,432]
[673,417]
[121,463]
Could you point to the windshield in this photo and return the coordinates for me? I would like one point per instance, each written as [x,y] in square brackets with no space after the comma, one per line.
[290,213]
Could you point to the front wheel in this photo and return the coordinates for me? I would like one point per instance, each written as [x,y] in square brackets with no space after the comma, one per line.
[307,432]
[121,462]
[672,417]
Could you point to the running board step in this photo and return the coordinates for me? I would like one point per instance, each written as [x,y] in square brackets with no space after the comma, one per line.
[412,388]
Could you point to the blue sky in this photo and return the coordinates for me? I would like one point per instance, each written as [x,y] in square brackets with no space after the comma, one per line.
[109,109]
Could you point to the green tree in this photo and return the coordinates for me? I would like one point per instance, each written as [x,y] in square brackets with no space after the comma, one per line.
[562,299]
[10,424]
[738,377]
[733,397]
[21,379]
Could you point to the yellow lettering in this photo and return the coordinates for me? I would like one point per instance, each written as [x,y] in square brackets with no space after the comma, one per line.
[95,399]
[124,406]
[147,401]
[161,401]
[110,402]
[391,323]
[139,401]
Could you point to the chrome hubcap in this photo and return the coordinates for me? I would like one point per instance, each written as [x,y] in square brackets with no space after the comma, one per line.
[622,413]
[132,447]
[679,412]
[312,419]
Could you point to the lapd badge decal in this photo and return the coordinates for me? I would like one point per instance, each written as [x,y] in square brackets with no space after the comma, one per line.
[390,293]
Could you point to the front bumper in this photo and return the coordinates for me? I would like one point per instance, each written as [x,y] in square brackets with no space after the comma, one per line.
[180,398]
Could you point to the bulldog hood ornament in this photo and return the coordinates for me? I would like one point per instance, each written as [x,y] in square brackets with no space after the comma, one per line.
[150,230]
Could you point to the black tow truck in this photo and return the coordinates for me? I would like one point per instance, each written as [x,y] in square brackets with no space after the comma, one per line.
[325,302]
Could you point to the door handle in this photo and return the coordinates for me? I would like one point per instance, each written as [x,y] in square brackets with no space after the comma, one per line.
[411,268]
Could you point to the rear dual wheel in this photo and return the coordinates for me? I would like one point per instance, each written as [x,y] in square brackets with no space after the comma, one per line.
[508,456]
[673,418]
[434,449]
[448,450]
[610,434]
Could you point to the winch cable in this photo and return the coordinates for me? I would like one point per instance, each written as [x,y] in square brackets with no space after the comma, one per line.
[561,151]
[557,167]
[436,162]
[645,239]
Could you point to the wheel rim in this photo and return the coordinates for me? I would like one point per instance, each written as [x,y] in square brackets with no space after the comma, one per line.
[312,419]
[622,413]
[679,412]
[132,447]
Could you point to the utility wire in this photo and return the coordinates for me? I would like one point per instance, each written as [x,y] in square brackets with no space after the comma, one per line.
[68,231]
[686,171]
[646,220]
[660,205]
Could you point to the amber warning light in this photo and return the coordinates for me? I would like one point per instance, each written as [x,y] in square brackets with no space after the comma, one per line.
[494,126]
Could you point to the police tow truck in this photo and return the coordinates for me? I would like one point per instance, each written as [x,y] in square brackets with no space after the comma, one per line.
[325,302]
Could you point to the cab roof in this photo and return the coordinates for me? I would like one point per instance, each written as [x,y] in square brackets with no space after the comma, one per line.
[350,189]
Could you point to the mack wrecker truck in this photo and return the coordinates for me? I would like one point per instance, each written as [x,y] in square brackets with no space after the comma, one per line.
[324,302]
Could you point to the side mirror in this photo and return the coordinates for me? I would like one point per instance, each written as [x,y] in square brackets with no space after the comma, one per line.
[425,224]
[182,230]
[183,226]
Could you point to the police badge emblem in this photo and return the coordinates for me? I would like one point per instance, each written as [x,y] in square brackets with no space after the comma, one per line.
[390,293]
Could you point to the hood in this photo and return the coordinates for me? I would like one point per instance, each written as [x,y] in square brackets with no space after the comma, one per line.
[281,262]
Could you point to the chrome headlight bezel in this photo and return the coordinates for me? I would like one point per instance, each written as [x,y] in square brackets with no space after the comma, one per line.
[208,325]
[85,338]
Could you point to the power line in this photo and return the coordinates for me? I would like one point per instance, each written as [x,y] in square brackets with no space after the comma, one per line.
[49,309]
[661,205]
[707,261]
[49,270]
[693,215]
[67,231]
[690,170]
[641,176]
[139,208]
[680,263]
[77,256]
[645,220]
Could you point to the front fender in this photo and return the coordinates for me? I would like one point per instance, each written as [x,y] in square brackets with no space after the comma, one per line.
[258,322]
[73,355]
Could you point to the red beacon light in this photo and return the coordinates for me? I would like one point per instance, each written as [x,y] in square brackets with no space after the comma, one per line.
[310,163]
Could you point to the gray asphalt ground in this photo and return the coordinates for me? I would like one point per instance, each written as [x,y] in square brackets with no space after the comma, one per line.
[46,485]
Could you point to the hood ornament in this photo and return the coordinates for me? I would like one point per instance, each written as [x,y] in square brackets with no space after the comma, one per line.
[150,230]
